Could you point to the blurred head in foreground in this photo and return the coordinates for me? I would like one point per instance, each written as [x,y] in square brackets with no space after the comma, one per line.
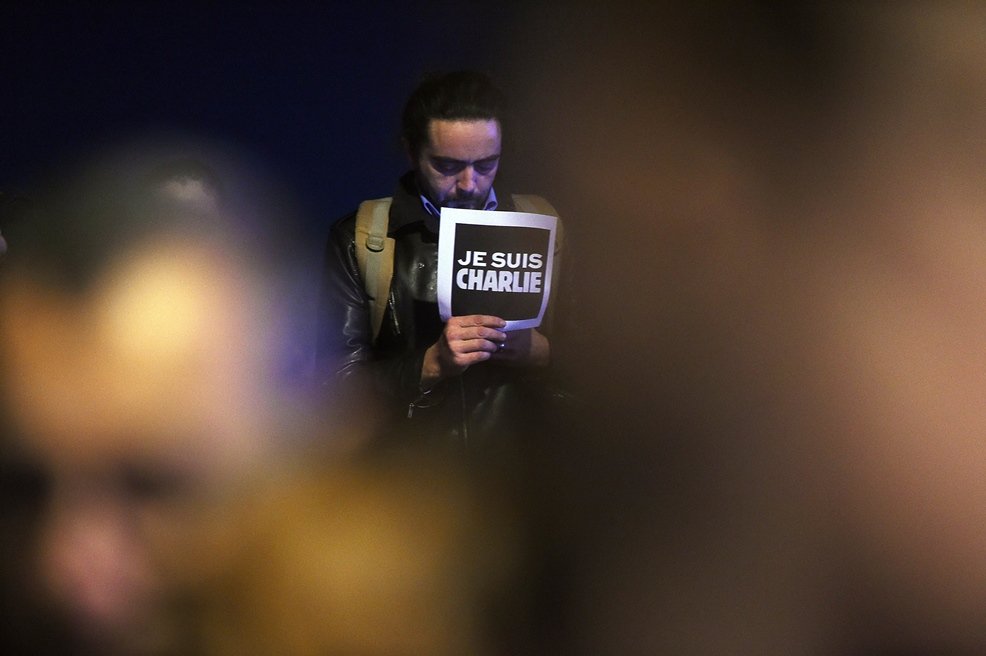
[140,348]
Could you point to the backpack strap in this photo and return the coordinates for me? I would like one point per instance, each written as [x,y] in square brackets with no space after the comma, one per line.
[375,256]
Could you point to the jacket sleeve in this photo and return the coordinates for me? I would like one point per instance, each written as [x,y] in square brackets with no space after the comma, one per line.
[347,360]
[343,314]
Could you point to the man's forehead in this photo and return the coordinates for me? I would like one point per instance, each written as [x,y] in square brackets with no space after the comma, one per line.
[463,162]
[464,140]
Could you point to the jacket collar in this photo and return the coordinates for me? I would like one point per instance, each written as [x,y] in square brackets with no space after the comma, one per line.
[406,208]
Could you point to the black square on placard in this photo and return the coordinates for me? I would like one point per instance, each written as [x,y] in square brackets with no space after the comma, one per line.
[509,240]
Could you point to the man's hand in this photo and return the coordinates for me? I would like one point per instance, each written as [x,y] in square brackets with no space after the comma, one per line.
[464,342]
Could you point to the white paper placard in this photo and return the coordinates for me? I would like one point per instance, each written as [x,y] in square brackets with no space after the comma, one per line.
[495,263]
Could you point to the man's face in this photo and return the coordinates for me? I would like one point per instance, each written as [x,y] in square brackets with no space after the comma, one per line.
[457,166]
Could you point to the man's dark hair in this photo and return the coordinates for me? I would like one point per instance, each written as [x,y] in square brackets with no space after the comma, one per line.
[462,95]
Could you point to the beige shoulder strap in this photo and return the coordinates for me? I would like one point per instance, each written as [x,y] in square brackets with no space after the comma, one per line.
[375,256]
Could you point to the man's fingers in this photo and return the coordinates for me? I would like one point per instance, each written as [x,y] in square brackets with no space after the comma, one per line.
[469,345]
[475,333]
[473,338]
[467,359]
[491,334]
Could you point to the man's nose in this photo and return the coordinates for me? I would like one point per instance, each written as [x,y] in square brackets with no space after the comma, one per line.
[466,180]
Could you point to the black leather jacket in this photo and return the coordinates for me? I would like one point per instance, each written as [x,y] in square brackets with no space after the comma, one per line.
[488,401]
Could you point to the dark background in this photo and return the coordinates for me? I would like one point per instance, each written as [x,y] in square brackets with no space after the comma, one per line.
[312,90]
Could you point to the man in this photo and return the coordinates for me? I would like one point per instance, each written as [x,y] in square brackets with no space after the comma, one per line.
[462,380]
